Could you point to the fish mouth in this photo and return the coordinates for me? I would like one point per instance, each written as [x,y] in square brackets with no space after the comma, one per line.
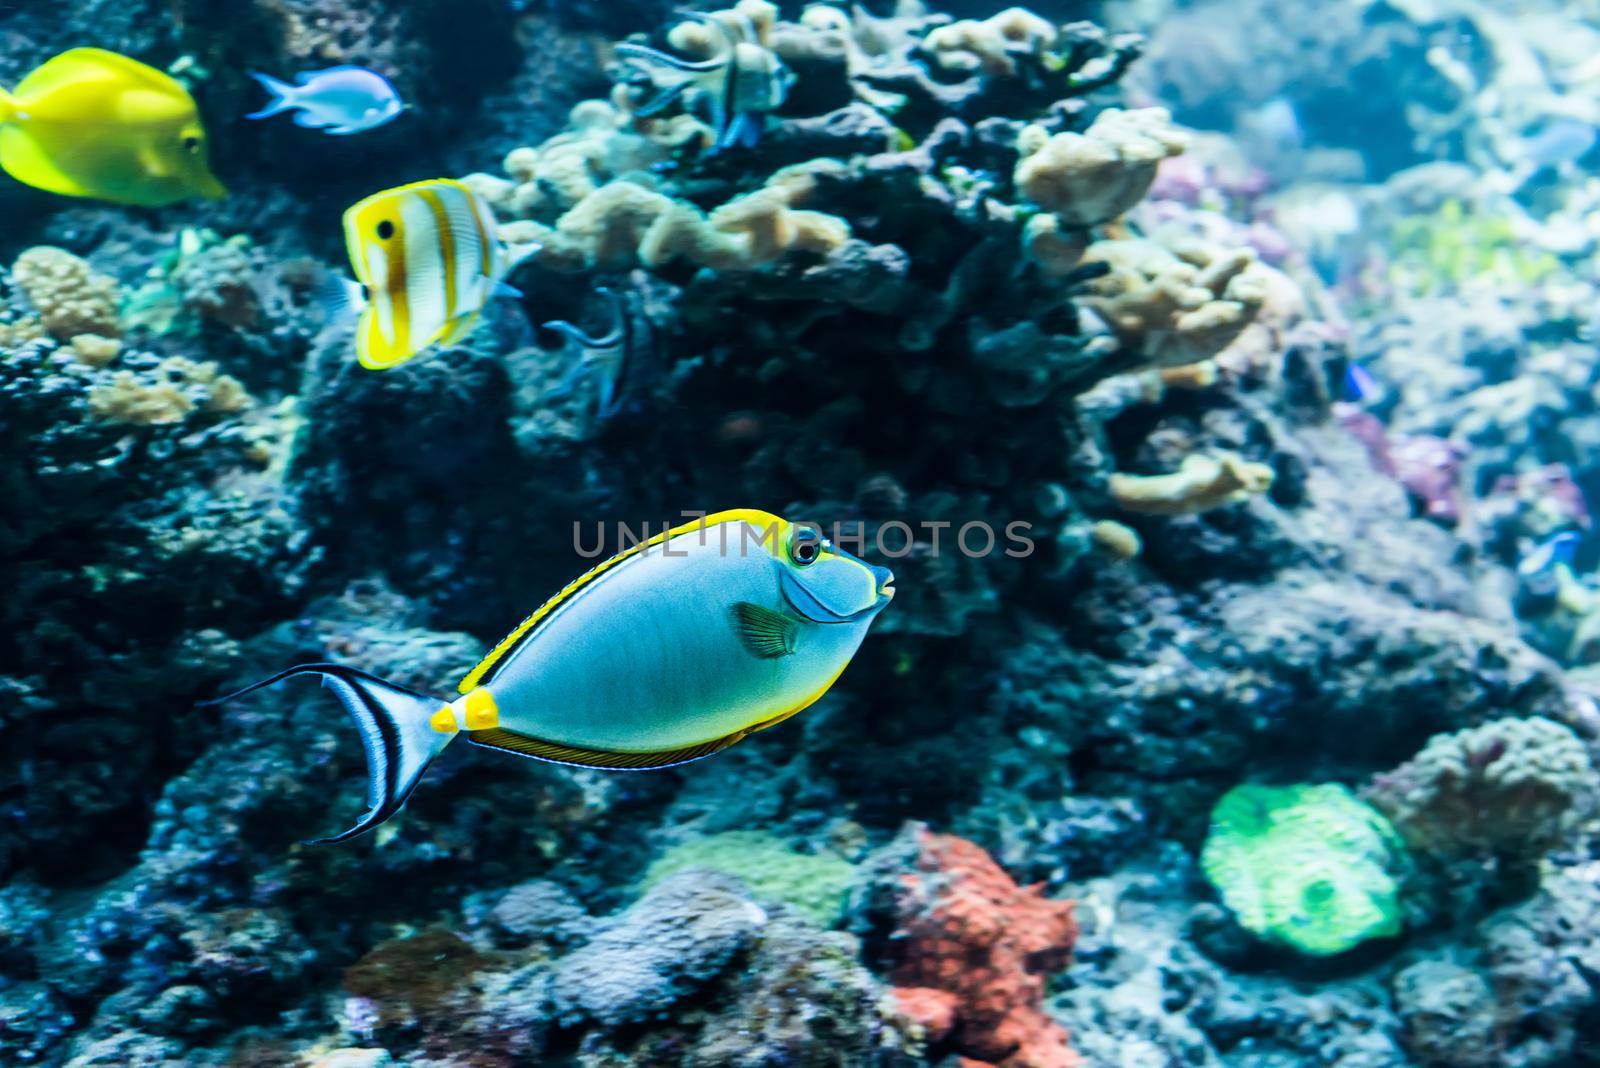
[886,591]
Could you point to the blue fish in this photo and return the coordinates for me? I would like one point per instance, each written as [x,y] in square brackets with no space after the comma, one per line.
[1359,385]
[339,100]
[1561,141]
[1554,552]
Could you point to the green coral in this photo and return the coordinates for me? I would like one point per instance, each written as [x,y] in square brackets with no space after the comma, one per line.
[814,884]
[1438,253]
[1307,867]
[203,277]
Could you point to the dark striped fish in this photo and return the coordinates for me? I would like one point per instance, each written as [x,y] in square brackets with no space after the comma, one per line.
[744,82]
[429,257]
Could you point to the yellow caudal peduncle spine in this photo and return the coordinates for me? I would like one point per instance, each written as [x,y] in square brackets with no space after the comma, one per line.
[477,711]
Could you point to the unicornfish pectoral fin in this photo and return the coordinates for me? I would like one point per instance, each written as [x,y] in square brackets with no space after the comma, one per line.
[766,633]
[399,730]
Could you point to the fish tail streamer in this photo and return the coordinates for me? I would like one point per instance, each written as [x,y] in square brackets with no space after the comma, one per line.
[396,732]
[282,96]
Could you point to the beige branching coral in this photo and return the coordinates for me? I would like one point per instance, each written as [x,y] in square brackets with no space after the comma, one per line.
[168,395]
[21,331]
[626,224]
[1176,308]
[604,141]
[69,296]
[1200,484]
[96,351]
[990,46]
[742,20]
[1092,177]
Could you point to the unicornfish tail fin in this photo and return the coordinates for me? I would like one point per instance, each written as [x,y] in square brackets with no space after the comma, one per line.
[282,96]
[397,732]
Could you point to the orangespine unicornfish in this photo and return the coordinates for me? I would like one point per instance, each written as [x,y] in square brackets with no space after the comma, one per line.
[428,257]
[670,651]
[92,123]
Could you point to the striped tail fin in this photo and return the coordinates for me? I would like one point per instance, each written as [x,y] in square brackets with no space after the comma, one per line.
[393,721]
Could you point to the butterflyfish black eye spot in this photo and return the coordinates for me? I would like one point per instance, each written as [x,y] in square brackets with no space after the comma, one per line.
[385,230]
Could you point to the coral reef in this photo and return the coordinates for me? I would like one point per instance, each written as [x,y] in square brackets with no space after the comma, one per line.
[67,295]
[622,225]
[1511,789]
[682,933]
[1307,867]
[813,884]
[1090,178]
[1177,307]
[1252,453]
[971,950]
[1200,483]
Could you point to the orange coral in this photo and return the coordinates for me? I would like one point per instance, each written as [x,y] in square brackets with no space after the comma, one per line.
[974,953]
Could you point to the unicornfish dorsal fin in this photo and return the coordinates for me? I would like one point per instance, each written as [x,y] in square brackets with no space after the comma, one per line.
[766,633]
[396,731]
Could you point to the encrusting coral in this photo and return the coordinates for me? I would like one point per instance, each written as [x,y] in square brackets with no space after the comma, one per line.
[70,297]
[1310,868]
[677,937]
[1511,788]
[1201,483]
[812,883]
[970,951]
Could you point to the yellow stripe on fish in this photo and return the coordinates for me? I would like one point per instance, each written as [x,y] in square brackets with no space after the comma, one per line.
[429,257]
[668,652]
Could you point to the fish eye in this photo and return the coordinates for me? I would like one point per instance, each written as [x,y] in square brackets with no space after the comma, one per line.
[191,143]
[805,545]
[385,230]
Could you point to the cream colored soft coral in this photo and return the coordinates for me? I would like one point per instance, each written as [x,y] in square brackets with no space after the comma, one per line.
[1200,484]
[624,224]
[604,141]
[168,394]
[1092,177]
[1175,309]
[696,37]
[70,297]
[991,45]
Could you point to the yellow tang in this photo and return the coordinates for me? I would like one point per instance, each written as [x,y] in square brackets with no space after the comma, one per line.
[670,651]
[429,257]
[91,123]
